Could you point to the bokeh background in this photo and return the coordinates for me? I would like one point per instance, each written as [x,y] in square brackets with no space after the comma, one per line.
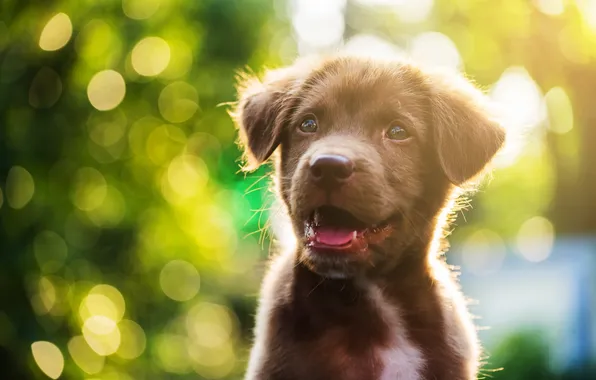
[131,246]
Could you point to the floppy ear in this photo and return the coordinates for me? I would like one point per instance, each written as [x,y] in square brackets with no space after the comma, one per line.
[261,113]
[466,136]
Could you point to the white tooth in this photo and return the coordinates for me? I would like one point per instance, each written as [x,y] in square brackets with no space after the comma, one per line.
[354,234]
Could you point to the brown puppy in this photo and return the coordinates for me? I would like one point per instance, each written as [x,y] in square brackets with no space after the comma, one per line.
[371,154]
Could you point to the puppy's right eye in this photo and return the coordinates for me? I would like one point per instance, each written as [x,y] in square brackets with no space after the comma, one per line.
[309,125]
[397,133]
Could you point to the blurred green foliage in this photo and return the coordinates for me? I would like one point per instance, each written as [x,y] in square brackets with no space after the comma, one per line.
[132,247]
[137,190]
[523,355]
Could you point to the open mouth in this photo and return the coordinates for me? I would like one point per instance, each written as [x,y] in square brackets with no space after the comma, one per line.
[333,229]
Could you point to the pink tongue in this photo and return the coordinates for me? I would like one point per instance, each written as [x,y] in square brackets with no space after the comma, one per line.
[334,236]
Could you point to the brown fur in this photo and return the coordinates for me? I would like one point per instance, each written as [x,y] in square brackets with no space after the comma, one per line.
[396,312]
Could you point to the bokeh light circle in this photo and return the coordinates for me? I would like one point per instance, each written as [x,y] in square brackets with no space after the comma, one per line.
[172,353]
[102,335]
[535,239]
[106,90]
[133,340]
[483,252]
[48,358]
[150,56]
[84,357]
[56,33]
[103,300]
[187,175]
[90,189]
[20,187]
[50,251]
[178,102]
[140,9]
[179,280]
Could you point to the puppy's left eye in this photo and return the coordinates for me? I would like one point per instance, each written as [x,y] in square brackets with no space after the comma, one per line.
[309,125]
[397,133]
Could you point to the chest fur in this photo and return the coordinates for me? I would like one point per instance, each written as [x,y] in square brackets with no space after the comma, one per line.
[358,336]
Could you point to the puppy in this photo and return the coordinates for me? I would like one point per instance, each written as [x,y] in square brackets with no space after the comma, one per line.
[370,155]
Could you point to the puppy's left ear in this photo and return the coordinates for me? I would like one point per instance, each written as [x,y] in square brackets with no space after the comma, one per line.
[261,113]
[466,136]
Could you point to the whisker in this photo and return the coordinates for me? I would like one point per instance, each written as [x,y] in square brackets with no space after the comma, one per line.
[257,189]
[316,286]
[257,181]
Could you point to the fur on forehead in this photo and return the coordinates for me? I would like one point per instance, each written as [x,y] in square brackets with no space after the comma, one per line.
[354,82]
[466,135]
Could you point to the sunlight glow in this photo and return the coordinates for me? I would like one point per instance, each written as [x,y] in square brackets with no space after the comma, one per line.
[520,96]
[368,45]
[56,33]
[179,280]
[551,7]
[48,358]
[483,252]
[375,3]
[19,187]
[150,56]
[408,11]
[560,110]
[436,50]
[413,11]
[587,9]
[317,25]
[535,239]
[521,103]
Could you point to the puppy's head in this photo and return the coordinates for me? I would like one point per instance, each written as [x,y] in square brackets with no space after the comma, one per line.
[369,153]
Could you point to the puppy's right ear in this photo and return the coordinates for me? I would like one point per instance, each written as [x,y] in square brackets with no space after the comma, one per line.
[466,132]
[261,113]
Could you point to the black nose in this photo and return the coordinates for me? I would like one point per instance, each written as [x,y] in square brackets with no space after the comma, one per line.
[331,170]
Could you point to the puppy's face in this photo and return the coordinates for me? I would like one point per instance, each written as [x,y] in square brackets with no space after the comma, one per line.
[368,149]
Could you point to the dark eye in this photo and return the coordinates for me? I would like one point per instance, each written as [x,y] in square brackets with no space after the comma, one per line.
[309,125]
[397,133]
